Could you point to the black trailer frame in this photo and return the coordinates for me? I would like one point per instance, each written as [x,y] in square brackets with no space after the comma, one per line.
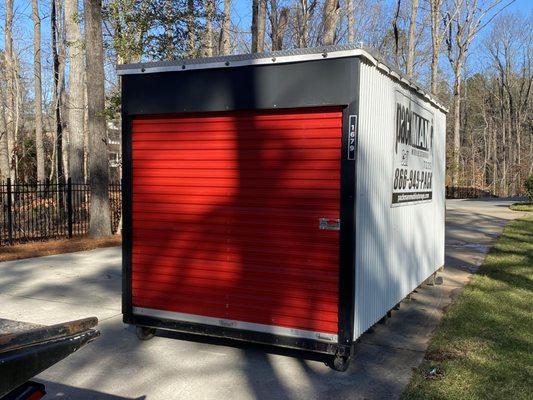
[28,349]
[199,86]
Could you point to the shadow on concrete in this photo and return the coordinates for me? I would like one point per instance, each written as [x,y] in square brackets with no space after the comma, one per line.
[56,390]
[189,365]
[186,365]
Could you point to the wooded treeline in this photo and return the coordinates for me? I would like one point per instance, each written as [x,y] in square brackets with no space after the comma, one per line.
[60,95]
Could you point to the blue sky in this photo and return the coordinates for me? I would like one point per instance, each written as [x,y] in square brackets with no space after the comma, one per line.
[241,15]
[243,10]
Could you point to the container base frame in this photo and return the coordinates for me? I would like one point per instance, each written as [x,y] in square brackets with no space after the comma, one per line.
[309,345]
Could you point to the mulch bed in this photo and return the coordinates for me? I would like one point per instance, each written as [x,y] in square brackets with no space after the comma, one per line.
[39,249]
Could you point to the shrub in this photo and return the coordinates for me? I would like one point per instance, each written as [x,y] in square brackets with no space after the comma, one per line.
[528,185]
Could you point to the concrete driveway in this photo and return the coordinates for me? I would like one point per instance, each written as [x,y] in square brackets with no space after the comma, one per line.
[118,366]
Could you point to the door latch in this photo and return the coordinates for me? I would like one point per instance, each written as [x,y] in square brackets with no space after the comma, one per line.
[330,224]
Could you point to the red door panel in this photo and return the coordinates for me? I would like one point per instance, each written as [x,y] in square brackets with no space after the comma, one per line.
[226,210]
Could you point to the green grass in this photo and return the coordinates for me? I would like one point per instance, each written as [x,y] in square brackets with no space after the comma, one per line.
[483,348]
[521,207]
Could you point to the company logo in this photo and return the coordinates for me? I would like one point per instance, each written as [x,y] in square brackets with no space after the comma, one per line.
[412,129]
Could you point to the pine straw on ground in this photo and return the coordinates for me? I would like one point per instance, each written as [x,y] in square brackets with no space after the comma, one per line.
[39,249]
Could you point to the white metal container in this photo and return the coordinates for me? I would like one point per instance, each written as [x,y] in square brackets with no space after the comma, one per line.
[386,166]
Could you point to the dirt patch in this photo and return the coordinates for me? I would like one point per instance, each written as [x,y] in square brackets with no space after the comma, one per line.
[39,249]
[440,355]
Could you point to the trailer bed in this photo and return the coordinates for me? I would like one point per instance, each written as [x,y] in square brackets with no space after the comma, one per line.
[27,349]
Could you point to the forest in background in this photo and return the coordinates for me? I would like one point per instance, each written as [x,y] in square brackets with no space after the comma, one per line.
[60,96]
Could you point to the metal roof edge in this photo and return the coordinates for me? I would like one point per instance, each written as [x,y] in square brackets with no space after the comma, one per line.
[279,57]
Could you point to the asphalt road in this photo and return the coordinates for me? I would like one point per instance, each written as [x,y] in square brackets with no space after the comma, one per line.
[56,288]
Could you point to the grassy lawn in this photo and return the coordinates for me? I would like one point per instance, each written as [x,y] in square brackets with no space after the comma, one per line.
[521,207]
[483,349]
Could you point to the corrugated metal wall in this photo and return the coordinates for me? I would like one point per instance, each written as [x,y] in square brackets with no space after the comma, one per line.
[396,247]
[226,210]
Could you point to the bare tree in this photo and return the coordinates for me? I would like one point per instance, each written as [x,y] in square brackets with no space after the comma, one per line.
[436,40]
[4,152]
[511,49]
[279,20]
[411,39]
[100,222]
[258,25]
[191,34]
[38,97]
[76,103]
[470,17]
[207,48]
[396,31]
[439,29]
[351,21]
[224,44]
[62,43]
[11,125]
[302,18]
[58,70]
[330,20]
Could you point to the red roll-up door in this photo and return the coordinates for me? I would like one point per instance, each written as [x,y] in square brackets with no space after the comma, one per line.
[226,211]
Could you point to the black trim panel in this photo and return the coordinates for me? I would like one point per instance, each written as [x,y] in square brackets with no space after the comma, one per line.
[308,84]
[347,232]
[127,189]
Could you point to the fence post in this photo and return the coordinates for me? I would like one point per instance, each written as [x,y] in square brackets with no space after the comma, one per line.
[69,206]
[9,212]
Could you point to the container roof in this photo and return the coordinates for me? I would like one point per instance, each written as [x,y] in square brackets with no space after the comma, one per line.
[281,57]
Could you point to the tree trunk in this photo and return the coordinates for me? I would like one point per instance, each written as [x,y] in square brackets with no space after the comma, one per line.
[63,111]
[38,97]
[100,221]
[282,27]
[434,70]
[504,159]
[302,23]
[258,25]
[4,154]
[18,149]
[411,39]
[486,145]
[85,125]
[512,147]
[76,101]
[224,33]
[530,170]
[207,50]
[56,101]
[396,34]
[519,157]
[10,87]
[330,20]
[278,24]
[170,48]
[494,164]
[456,152]
[191,34]
[351,21]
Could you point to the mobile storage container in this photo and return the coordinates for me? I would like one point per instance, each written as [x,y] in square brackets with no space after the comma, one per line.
[291,198]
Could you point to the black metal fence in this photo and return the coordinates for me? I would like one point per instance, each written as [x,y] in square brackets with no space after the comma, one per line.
[41,211]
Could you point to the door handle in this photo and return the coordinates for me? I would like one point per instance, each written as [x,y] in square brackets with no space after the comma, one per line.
[330,224]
